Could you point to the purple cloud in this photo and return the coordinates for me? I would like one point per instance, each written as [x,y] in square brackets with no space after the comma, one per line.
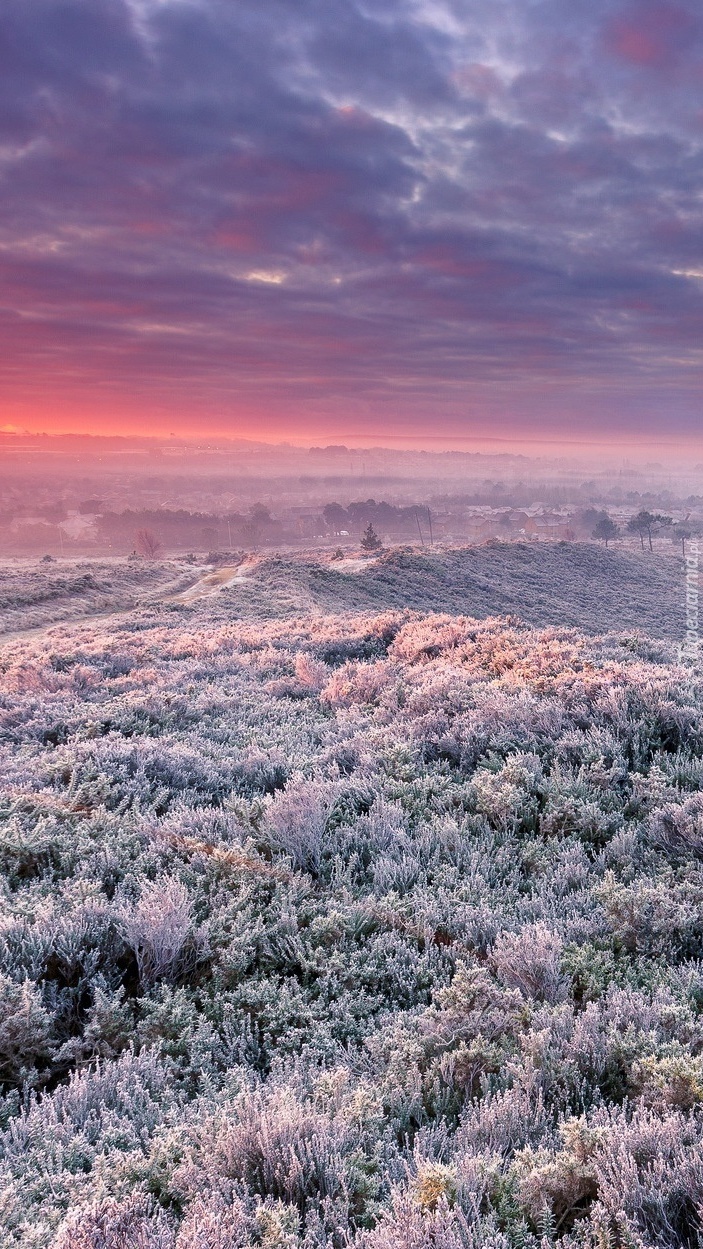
[301,213]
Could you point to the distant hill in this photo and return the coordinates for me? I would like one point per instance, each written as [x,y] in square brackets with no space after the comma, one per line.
[573,584]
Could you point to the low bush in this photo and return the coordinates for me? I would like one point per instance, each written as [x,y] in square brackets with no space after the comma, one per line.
[358,930]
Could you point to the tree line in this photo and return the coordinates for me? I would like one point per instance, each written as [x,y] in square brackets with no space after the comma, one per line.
[645,525]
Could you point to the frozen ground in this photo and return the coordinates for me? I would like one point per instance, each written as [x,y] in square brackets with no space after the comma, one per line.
[364,928]
[34,595]
[581,585]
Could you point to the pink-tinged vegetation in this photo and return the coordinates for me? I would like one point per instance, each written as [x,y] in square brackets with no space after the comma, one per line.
[379,930]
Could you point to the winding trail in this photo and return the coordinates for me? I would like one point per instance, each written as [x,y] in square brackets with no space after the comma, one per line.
[109,613]
[205,585]
[213,582]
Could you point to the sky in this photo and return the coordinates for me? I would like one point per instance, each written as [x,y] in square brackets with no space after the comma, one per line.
[426,219]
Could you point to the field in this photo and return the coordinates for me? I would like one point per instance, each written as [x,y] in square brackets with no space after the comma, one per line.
[354,909]
[33,595]
[566,583]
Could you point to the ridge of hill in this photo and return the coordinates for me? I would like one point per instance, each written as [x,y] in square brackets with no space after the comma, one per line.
[36,595]
[574,584]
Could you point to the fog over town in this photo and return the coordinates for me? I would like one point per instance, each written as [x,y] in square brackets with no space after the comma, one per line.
[76,496]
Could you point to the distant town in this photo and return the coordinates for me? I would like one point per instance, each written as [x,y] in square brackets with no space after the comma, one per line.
[84,497]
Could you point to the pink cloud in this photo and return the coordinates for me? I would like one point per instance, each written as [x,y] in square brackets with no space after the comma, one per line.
[651,36]
[478,80]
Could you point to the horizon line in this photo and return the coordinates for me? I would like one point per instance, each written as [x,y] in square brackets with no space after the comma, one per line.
[377,442]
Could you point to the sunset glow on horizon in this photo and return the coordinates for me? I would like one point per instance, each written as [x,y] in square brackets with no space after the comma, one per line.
[609,453]
[451,222]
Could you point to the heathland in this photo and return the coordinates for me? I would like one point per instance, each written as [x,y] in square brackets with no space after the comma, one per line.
[352,908]
[578,584]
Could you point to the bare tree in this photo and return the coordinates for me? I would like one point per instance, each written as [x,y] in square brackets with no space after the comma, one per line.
[147,544]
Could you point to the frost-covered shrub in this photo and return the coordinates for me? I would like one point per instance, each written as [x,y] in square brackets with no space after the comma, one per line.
[159,929]
[296,820]
[411,1225]
[677,828]
[360,684]
[132,1224]
[530,961]
[320,931]
[672,1080]
[211,1222]
[508,797]
[309,672]
[504,1122]
[278,1145]
[559,1184]
[649,1176]
[655,916]
[25,1030]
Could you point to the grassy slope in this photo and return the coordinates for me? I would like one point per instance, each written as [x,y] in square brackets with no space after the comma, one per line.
[34,595]
[580,585]
[568,584]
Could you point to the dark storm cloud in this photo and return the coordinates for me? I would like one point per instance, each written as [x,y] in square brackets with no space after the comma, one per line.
[428,206]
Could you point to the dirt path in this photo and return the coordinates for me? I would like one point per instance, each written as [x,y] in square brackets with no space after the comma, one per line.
[70,622]
[213,582]
[353,565]
[108,613]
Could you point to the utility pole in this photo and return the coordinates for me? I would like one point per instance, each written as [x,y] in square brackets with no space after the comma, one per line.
[417,518]
[429,521]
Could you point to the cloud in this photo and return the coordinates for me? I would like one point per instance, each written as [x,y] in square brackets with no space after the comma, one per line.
[653,36]
[448,208]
